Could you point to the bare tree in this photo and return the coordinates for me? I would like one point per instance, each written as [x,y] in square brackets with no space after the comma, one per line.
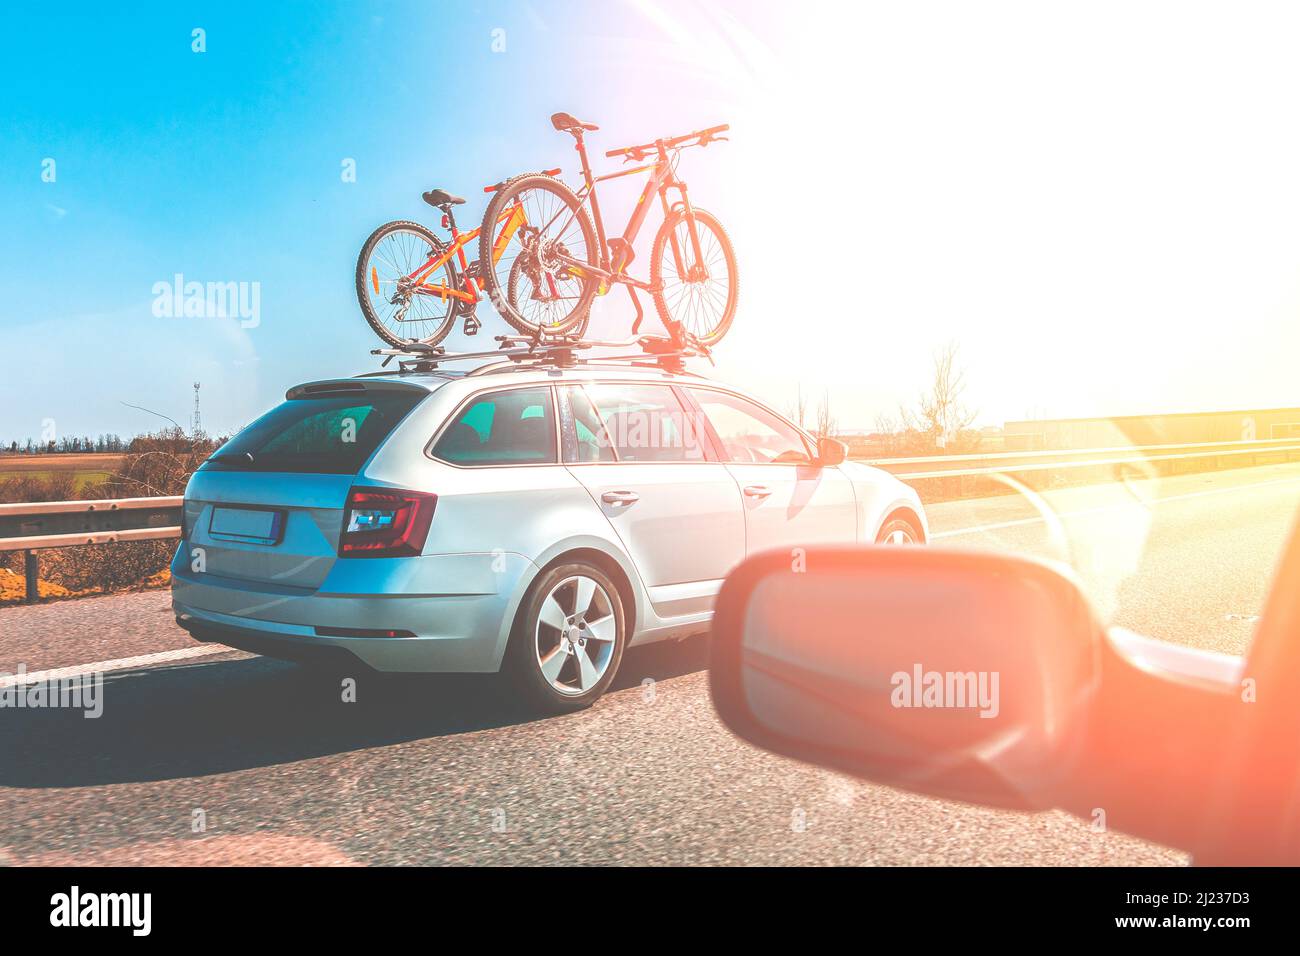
[941,419]
[888,439]
[799,410]
[825,420]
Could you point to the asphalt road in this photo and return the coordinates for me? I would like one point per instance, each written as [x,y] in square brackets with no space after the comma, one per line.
[204,757]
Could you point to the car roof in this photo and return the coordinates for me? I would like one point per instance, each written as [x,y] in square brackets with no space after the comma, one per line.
[506,373]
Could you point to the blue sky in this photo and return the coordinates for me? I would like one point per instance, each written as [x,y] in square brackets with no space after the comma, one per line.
[1101,208]
[226,166]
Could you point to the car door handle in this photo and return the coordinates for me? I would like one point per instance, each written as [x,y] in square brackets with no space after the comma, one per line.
[757,491]
[620,497]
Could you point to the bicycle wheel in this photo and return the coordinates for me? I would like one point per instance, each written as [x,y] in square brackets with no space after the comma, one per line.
[388,294]
[703,305]
[550,291]
[519,283]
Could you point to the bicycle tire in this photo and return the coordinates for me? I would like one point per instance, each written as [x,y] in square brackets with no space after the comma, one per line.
[714,334]
[579,328]
[363,295]
[502,299]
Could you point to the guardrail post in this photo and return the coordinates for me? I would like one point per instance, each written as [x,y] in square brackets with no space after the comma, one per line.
[31,571]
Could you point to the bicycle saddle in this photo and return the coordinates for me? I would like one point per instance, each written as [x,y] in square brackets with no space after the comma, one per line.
[567,123]
[439,197]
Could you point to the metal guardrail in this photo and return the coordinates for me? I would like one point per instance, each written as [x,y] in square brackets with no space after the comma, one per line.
[65,524]
[987,463]
[31,527]
[1015,462]
[34,526]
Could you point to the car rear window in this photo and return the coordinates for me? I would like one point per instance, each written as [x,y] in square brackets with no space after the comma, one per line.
[512,427]
[332,434]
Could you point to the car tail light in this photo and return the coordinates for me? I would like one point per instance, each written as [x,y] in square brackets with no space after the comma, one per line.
[385,523]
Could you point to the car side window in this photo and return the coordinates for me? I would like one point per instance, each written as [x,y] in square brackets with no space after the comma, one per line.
[645,423]
[750,433]
[585,438]
[512,427]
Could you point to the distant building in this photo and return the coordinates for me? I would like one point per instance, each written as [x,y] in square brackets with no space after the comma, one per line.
[1184,428]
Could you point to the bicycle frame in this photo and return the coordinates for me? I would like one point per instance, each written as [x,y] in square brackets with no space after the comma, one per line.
[662,178]
[513,218]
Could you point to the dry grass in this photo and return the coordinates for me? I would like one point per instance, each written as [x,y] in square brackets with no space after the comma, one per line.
[95,461]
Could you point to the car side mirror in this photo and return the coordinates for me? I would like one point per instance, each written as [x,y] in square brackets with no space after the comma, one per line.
[951,673]
[831,451]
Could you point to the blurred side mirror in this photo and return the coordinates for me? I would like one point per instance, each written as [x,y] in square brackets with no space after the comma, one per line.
[831,451]
[955,674]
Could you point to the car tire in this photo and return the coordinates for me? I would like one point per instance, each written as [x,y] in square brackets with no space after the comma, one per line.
[899,531]
[567,639]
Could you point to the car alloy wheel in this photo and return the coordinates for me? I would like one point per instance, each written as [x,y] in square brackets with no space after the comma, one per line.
[575,635]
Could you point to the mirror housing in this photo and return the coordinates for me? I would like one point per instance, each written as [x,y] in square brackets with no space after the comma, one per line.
[1159,740]
[950,673]
[831,451]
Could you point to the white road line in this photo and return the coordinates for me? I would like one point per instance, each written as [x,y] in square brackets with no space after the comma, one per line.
[124,663]
[977,529]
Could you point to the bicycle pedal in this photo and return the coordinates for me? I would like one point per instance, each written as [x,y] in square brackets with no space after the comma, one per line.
[472,324]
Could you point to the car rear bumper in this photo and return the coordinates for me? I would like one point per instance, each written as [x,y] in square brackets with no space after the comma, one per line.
[280,646]
[463,631]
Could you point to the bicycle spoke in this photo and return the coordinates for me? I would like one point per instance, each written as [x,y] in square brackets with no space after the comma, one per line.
[541,289]
[406,314]
[697,295]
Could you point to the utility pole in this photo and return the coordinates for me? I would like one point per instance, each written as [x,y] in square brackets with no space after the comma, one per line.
[198,422]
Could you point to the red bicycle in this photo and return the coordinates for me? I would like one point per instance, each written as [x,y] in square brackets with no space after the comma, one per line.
[544,276]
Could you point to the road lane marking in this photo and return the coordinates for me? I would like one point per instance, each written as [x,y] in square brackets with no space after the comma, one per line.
[997,526]
[123,663]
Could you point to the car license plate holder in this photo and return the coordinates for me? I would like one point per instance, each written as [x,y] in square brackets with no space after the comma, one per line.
[247,524]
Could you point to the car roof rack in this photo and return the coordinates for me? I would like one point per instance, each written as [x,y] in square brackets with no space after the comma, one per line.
[557,351]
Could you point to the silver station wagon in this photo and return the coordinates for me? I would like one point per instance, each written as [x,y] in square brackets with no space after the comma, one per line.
[535,519]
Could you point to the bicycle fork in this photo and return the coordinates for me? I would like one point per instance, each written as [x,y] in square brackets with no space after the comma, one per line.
[698,271]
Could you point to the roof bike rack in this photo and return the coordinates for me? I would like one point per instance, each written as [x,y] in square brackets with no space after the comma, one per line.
[561,351]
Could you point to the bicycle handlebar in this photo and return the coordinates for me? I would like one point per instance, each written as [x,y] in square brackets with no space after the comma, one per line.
[705,136]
